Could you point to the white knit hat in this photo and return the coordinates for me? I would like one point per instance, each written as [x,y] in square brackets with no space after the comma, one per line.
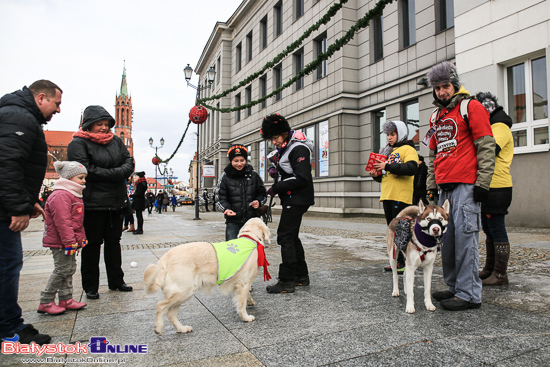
[69,169]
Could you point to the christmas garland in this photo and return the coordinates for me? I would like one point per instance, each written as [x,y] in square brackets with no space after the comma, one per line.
[290,48]
[175,151]
[309,68]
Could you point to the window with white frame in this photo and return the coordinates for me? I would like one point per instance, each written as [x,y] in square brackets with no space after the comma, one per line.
[411,117]
[321,47]
[248,96]
[263,90]
[444,14]
[298,66]
[299,8]
[238,56]
[527,104]
[277,19]
[408,23]
[249,47]
[238,104]
[263,33]
[278,80]
[378,139]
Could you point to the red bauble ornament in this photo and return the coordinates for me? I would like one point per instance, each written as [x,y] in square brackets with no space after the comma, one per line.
[156,161]
[198,114]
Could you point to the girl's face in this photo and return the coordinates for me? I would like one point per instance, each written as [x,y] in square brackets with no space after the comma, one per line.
[392,138]
[100,127]
[238,162]
[79,179]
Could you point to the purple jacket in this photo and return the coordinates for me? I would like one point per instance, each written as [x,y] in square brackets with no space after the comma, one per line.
[64,223]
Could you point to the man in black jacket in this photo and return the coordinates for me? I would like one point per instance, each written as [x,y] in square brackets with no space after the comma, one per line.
[22,168]
[295,189]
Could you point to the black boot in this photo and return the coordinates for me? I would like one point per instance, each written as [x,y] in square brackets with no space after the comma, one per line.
[502,255]
[489,260]
[281,287]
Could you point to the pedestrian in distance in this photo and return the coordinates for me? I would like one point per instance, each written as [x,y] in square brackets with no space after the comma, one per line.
[419,185]
[174,202]
[150,201]
[105,198]
[64,234]
[295,190]
[396,175]
[159,200]
[461,165]
[138,199]
[165,201]
[495,208]
[23,165]
[240,192]
[205,197]
[129,212]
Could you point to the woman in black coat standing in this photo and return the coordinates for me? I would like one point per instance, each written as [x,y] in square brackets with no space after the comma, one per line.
[138,199]
[109,164]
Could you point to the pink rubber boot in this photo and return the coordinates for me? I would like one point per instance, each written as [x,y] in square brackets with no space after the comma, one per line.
[51,308]
[71,304]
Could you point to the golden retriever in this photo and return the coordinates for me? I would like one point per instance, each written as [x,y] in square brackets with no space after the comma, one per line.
[189,267]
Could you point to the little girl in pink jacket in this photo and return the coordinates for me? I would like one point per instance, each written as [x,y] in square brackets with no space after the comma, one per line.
[64,235]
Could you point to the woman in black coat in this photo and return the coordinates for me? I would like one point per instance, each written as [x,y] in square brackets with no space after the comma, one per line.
[240,192]
[109,164]
[138,197]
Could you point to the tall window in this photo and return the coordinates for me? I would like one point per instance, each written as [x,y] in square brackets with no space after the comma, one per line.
[238,104]
[278,80]
[263,33]
[248,96]
[298,66]
[320,47]
[263,90]
[377,47]
[411,117]
[278,19]
[218,69]
[249,47]
[408,23]
[239,53]
[378,139]
[298,8]
[527,99]
[444,14]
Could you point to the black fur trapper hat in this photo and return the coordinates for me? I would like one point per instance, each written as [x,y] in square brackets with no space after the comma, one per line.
[274,125]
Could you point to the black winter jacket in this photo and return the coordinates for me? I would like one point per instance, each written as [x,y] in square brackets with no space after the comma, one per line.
[138,197]
[23,153]
[237,189]
[108,167]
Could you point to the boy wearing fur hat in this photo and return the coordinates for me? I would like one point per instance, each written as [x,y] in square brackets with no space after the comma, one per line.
[295,189]
[240,192]
[64,235]
[397,175]
[462,160]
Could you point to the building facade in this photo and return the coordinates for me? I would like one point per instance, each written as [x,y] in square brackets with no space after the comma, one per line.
[377,76]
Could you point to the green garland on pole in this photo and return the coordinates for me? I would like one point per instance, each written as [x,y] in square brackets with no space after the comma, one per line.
[289,49]
[175,151]
[309,68]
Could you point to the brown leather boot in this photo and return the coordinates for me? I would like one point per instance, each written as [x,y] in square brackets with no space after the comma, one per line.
[132,228]
[124,228]
[489,261]
[502,255]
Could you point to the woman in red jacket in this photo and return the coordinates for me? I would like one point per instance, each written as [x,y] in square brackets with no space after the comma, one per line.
[64,235]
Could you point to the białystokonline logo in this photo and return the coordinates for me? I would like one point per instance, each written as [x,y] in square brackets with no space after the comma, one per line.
[97,345]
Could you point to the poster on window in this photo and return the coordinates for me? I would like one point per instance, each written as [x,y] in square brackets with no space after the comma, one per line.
[261,168]
[323,148]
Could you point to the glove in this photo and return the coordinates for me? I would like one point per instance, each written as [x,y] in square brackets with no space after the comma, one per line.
[270,192]
[480,194]
[433,195]
[273,172]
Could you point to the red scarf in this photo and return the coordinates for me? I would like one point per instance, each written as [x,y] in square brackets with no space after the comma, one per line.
[98,138]
[262,260]
[141,179]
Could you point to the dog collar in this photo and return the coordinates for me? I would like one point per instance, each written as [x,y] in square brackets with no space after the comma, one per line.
[262,260]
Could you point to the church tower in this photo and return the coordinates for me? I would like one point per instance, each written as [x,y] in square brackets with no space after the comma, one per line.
[124,114]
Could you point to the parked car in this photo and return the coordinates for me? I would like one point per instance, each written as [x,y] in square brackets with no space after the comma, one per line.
[185,200]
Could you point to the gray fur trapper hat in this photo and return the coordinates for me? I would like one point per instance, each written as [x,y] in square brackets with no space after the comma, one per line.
[69,169]
[444,72]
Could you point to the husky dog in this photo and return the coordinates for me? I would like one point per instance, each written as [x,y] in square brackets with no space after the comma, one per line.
[416,231]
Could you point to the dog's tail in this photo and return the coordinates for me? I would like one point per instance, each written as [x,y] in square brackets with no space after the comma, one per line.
[150,278]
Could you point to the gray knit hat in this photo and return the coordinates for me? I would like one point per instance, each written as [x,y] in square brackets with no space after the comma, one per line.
[69,169]
[444,72]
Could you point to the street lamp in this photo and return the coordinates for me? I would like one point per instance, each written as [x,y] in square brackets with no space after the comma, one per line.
[210,75]
[156,166]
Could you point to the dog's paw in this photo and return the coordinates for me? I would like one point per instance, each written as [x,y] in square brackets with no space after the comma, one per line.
[251,302]
[395,293]
[184,329]
[248,318]
[158,332]
[410,309]
[430,307]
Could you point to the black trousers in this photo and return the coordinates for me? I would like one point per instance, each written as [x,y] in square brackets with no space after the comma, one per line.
[139,217]
[102,227]
[292,252]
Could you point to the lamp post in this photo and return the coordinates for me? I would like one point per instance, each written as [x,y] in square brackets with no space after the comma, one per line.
[156,166]
[210,75]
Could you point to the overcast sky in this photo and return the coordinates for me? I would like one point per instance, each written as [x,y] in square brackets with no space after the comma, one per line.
[81,46]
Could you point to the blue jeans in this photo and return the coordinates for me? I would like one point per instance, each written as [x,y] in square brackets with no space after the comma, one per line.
[494,227]
[11,263]
[232,230]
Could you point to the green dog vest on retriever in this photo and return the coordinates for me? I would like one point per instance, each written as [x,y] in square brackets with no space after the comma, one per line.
[231,256]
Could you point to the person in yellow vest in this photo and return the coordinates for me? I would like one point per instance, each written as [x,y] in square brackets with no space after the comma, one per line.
[397,174]
[495,208]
